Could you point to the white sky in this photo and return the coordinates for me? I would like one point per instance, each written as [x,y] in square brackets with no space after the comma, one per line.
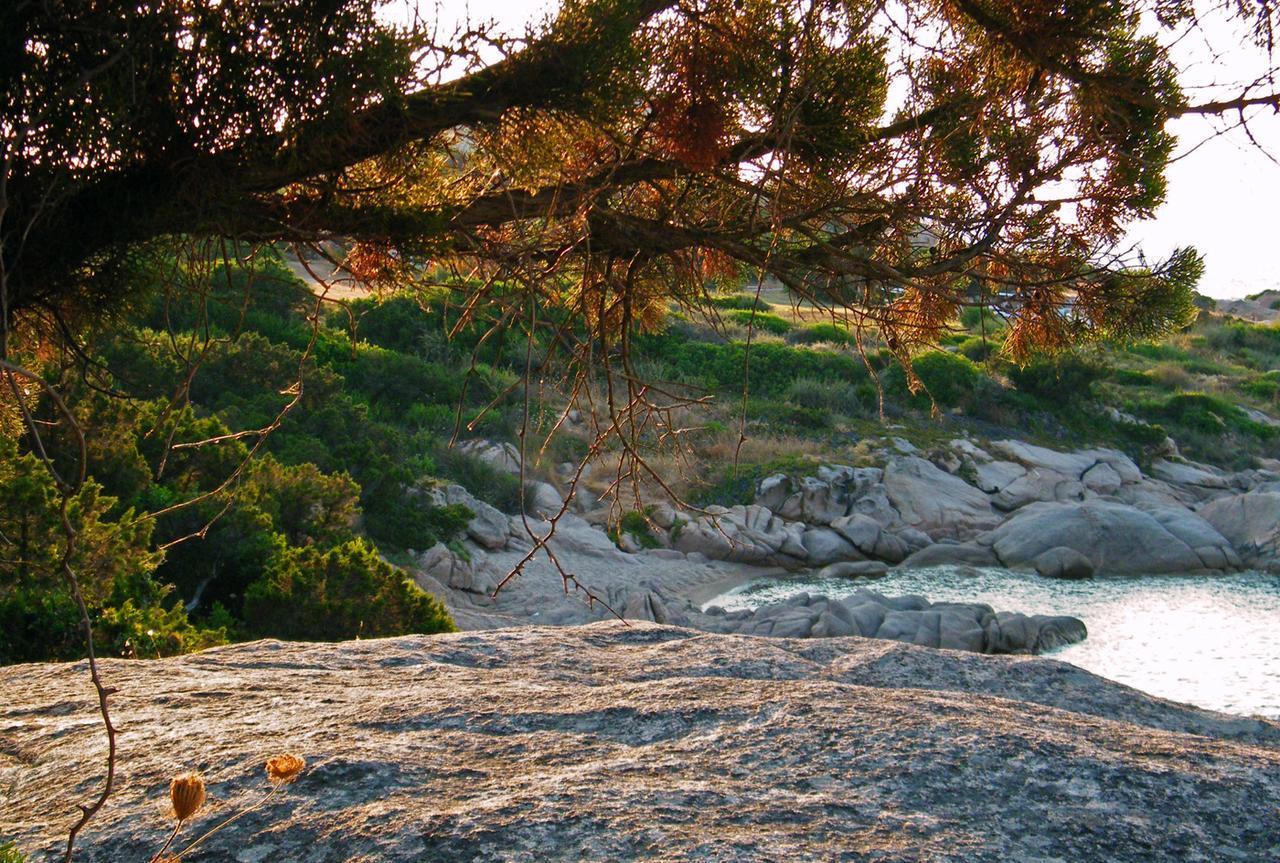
[1224,196]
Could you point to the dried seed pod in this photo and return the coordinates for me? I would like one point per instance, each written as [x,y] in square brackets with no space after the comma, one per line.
[284,768]
[187,793]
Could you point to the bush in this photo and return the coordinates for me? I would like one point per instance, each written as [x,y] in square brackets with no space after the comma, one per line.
[820,333]
[345,592]
[396,323]
[802,419]
[978,349]
[1208,414]
[1170,376]
[760,321]
[1062,378]
[1152,351]
[637,524]
[487,483]
[980,319]
[840,396]
[741,301]
[950,379]
[412,521]
[738,485]
[771,369]
[1266,386]
[1129,377]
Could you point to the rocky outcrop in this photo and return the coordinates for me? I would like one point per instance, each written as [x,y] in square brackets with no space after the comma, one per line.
[931,500]
[1113,537]
[638,742]
[956,626]
[1252,523]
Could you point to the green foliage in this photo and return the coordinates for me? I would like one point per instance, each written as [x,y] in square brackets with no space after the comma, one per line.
[637,524]
[343,592]
[492,485]
[1062,378]
[761,321]
[1129,377]
[413,522]
[112,561]
[9,853]
[838,396]
[980,319]
[772,412]
[769,372]
[820,333]
[949,379]
[737,484]
[741,301]
[1208,414]
[1264,386]
[979,349]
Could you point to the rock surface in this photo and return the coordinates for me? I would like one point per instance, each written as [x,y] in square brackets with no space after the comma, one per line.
[1114,538]
[1252,523]
[972,626]
[612,743]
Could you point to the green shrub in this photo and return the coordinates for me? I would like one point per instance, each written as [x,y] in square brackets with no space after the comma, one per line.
[637,524]
[397,323]
[344,592]
[839,396]
[1153,351]
[769,372]
[1061,378]
[1129,377]
[795,417]
[737,485]
[761,321]
[820,333]
[9,853]
[1209,414]
[412,521]
[741,301]
[1265,386]
[1170,376]
[492,485]
[978,349]
[950,379]
[980,319]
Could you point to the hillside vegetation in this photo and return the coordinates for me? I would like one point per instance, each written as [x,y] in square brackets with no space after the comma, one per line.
[297,544]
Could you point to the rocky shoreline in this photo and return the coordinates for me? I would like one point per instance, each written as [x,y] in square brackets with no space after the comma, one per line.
[1008,504]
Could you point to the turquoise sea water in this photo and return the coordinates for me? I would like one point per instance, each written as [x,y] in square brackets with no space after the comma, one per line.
[1209,641]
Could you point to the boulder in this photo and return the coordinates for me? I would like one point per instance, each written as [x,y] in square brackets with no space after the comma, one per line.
[1251,522]
[1117,538]
[994,476]
[1189,473]
[1019,633]
[542,500]
[934,501]
[773,491]
[1102,479]
[489,526]
[502,456]
[1063,562]
[823,545]
[445,567]
[951,554]
[855,569]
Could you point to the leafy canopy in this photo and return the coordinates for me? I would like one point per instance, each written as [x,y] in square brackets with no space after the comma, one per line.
[902,159]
